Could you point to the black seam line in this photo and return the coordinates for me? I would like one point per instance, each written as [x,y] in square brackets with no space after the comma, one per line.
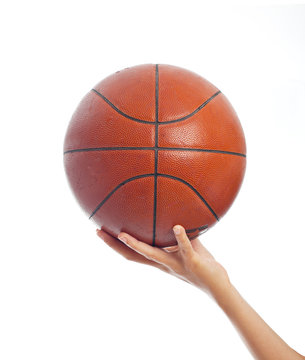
[198,228]
[194,112]
[158,174]
[154,148]
[197,193]
[151,122]
[156,151]
[115,189]
[207,150]
[119,111]
[110,148]
[191,237]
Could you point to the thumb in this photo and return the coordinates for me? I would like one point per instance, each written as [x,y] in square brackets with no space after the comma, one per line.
[183,241]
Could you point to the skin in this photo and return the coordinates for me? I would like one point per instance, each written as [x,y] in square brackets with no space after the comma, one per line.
[190,261]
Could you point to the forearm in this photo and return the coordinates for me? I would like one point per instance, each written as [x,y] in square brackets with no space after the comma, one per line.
[193,263]
[262,341]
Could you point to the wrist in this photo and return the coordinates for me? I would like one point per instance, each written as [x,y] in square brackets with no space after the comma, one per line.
[217,284]
[222,293]
[221,287]
[228,298]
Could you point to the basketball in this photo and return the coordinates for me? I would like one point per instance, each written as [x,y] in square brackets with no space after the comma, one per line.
[152,146]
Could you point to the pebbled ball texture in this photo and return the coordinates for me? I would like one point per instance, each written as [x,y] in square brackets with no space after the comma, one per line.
[152,146]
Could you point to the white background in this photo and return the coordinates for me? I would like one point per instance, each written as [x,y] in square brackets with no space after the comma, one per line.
[64,293]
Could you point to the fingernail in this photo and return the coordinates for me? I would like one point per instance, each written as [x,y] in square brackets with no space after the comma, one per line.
[177,230]
[99,234]
[122,238]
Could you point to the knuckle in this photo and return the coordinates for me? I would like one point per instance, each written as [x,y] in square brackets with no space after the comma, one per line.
[187,252]
[191,262]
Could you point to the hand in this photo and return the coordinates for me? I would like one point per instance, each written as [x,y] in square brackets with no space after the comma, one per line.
[189,260]
[192,262]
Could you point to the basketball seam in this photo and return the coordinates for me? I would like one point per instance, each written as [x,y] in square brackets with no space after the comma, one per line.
[197,228]
[196,192]
[159,174]
[152,122]
[156,151]
[118,110]
[115,189]
[194,112]
[154,148]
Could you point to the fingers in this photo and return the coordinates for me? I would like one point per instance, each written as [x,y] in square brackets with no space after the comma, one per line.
[113,242]
[184,242]
[171,249]
[146,250]
[127,252]
[135,249]
[118,246]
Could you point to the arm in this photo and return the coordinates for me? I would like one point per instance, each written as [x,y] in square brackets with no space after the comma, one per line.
[192,262]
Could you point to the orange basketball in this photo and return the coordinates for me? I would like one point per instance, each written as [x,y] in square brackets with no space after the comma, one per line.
[152,146]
